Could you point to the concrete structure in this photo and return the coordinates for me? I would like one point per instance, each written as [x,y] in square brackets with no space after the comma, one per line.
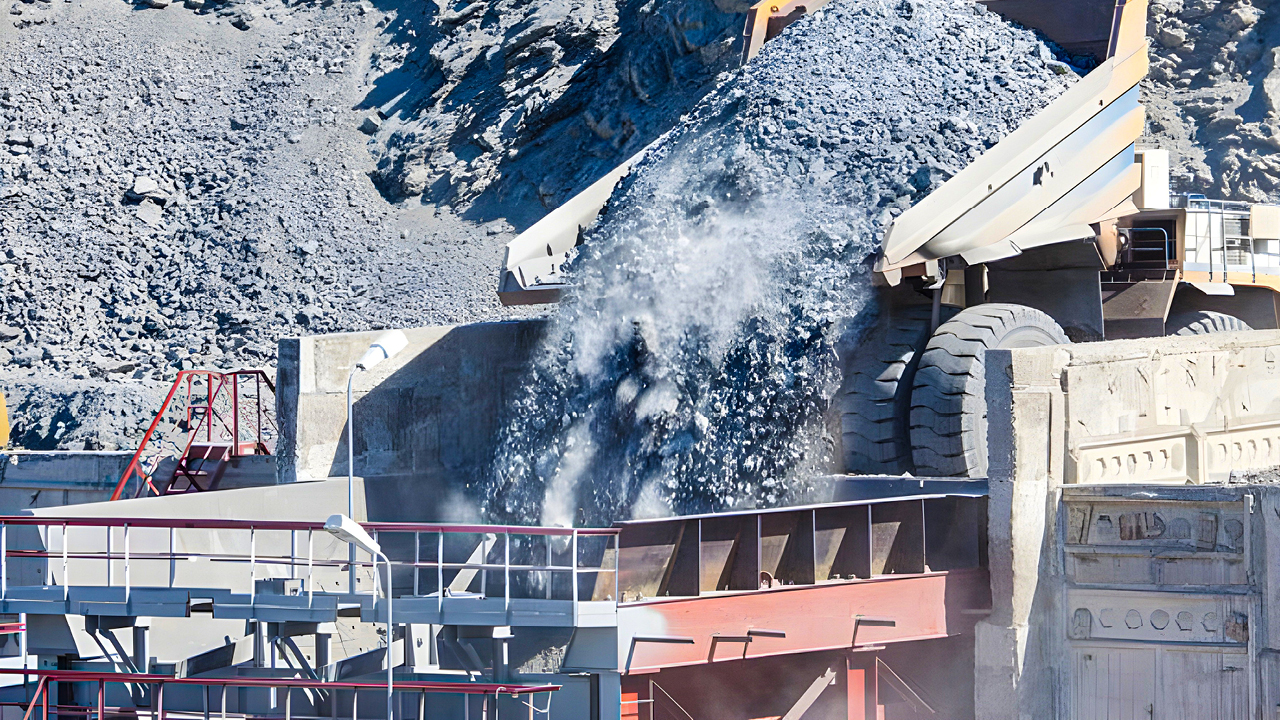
[425,419]
[33,479]
[1123,586]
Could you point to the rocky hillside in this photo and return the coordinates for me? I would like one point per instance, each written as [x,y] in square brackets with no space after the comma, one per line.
[505,108]
[1213,95]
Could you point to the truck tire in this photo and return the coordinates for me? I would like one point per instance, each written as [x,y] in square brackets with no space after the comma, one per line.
[948,401]
[1203,322]
[875,398]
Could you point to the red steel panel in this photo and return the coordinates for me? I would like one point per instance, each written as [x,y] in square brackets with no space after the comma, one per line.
[814,618]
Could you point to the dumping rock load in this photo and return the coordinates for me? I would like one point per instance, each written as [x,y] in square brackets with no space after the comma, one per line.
[691,369]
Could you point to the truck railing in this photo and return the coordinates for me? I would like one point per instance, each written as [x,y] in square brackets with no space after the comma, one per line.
[1221,248]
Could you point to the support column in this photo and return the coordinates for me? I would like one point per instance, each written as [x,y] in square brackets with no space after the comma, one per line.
[323,645]
[975,285]
[141,654]
[863,691]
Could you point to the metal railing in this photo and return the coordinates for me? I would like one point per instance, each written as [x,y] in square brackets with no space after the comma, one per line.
[235,408]
[497,561]
[100,711]
[1216,237]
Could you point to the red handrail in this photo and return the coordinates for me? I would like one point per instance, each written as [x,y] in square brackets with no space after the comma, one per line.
[214,384]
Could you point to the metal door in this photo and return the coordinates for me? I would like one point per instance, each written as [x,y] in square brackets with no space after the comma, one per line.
[1110,683]
[1203,684]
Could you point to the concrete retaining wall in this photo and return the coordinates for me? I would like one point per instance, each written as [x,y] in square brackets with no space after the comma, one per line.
[1102,528]
[425,419]
[33,479]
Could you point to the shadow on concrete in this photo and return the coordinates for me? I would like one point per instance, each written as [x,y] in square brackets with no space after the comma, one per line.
[425,435]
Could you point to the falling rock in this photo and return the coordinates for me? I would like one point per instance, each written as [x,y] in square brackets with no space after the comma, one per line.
[150,212]
[370,125]
[1242,17]
[8,332]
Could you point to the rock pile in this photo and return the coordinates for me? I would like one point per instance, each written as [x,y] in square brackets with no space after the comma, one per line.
[507,107]
[690,370]
[1213,95]
[177,192]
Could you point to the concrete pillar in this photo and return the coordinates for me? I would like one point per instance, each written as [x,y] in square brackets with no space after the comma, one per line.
[323,644]
[140,648]
[1011,681]
[259,645]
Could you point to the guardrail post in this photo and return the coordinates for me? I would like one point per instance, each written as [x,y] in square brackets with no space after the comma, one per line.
[417,558]
[506,572]
[224,702]
[102,699]
[173,561]
[311,551]
[440,572]
[127,574]
[160,700]
[288,703]
[573,563]
[4,560]
[373,590]
[253,564]
[66,580]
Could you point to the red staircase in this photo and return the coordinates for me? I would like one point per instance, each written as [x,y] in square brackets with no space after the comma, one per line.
[207,420]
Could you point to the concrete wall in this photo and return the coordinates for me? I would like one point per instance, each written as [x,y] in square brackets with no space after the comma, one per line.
[33,479]
[1099,459]
[425,419]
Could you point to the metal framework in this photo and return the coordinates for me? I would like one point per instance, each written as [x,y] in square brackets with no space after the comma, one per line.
[209,416]
[134,560]
[46,678]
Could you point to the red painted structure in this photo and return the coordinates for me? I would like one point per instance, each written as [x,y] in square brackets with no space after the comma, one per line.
[847,611]
[207,419]
[849,615]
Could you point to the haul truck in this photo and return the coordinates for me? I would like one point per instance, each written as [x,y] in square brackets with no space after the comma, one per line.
[1064,231]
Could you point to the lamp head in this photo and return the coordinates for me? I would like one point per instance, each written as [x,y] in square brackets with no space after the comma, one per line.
[384,346]
[349,531]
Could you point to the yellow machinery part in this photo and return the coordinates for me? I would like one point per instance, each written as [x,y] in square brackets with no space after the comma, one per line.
[4,423]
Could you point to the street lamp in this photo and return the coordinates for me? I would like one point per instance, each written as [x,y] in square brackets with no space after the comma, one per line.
[384,346]
[349,531]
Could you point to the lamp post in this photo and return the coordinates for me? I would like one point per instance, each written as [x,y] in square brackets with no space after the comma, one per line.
[349,531]
[384,346]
